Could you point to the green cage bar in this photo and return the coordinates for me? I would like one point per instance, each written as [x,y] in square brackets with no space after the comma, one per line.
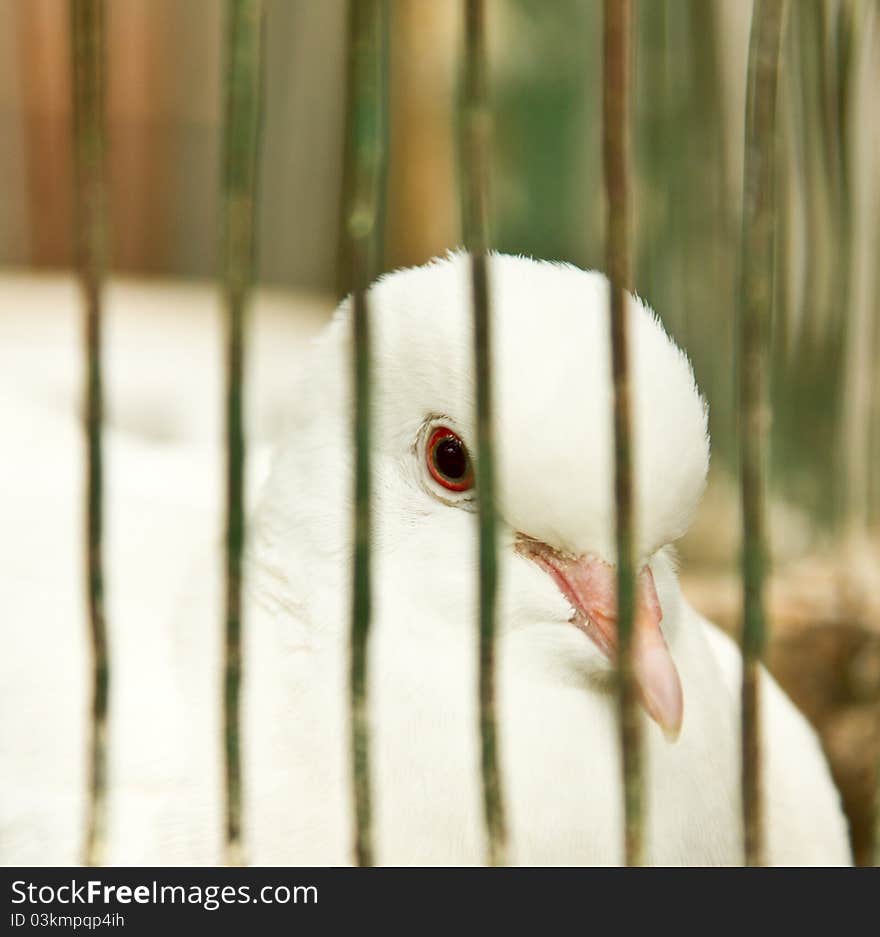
[477,132]
[89,145]
[616,164]
[244,87]
[755,298]
[366,151]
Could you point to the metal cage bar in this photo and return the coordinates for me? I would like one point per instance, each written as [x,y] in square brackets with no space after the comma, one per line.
[477,131]
[875,858]
[361,239]
[364,196]
[244,87]
[755,296]
[616,164]
[87,34]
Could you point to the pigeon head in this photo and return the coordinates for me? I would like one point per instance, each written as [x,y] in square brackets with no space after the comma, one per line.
[553,434]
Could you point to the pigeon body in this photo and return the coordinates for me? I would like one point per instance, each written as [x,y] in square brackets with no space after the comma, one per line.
[556,628]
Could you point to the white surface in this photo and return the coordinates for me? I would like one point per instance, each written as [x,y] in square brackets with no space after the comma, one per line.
[164,378]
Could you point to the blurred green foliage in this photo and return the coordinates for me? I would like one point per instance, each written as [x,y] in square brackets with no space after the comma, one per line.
[687,134]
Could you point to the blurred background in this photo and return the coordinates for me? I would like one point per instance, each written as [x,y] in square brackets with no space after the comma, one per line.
[164,84]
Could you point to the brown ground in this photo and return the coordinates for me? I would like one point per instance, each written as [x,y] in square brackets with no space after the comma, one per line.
[824,650]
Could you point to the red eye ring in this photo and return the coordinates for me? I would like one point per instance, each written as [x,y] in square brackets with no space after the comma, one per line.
[448,460]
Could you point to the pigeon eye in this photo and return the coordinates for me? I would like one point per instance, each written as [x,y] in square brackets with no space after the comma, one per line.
[448,460]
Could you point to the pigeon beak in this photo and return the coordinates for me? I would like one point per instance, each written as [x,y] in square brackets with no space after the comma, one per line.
[590,585]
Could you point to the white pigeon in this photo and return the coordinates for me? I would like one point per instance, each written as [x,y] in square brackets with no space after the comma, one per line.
[556,706]
[556,641]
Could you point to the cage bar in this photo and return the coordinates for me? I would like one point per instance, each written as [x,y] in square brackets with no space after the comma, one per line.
[616,163]
[87,33]
[875,859]
[366,149]
[244,86]
[755,298]
[477,133]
